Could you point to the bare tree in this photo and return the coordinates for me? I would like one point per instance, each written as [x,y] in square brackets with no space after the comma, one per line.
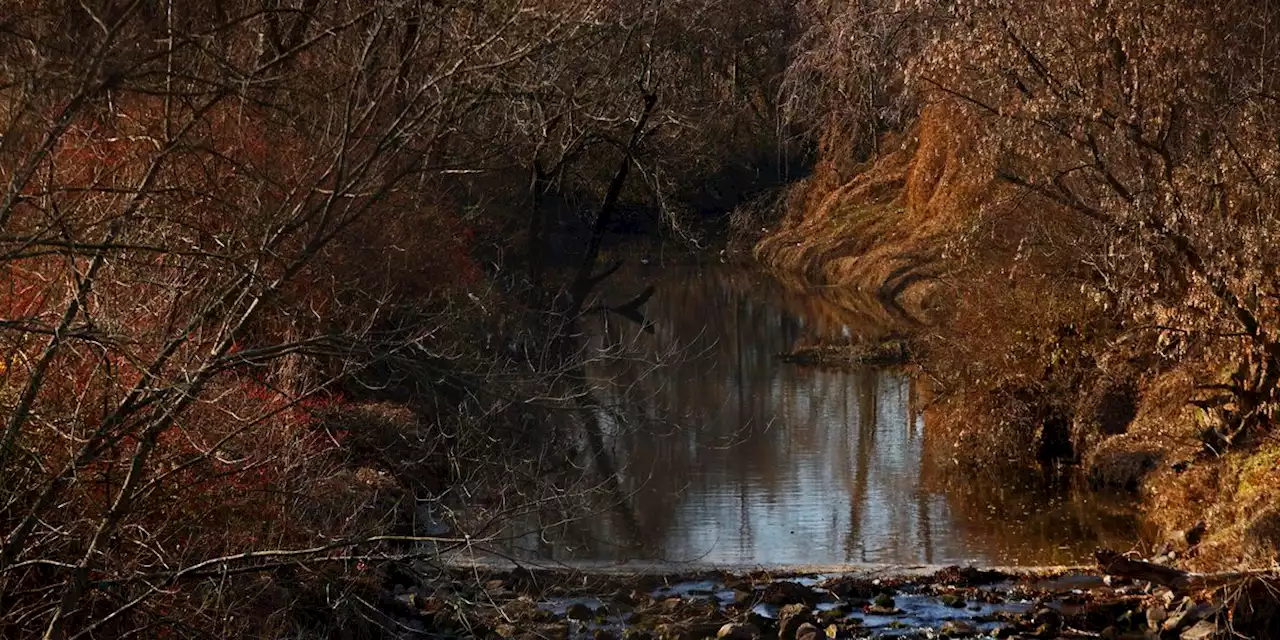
[1145,130]
[173,179]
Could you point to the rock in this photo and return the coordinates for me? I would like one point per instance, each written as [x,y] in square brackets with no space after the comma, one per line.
[687,630]
[1177,617]
[579,611]
[952,600]
[1203,630]
[958,629]
[1156,615]
[834,614]
[623,597]
[968,576]
[705,630]
[791,618]
[808,631]
[1049,619]
[671,631]
[767,625]
[858,603]
[877,610]
[558,630]
[786,592]
[850,588]
[1004,631]
[738,631]
[408,600]
[1189,614]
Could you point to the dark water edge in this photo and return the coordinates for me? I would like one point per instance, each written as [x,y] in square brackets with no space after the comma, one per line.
[726,456]
[952,602]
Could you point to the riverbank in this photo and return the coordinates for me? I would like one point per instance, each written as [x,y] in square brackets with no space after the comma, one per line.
[948,602]
[1035,374]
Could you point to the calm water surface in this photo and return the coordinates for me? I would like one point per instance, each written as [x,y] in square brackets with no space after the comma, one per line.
[727,455]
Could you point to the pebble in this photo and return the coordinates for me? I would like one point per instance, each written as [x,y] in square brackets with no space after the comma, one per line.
[809,632]
[958,629]
[738,631]
[1203,630]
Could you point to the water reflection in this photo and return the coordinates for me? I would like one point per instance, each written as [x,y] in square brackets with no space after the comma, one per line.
[726,455]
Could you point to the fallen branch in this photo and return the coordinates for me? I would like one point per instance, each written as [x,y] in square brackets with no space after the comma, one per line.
[1116,564]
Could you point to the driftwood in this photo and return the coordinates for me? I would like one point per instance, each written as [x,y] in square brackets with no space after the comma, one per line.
[1116,564]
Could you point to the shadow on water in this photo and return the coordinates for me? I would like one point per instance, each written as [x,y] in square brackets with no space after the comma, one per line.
[725,455]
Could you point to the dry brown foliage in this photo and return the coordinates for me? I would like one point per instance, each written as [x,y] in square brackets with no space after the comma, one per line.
[226,227]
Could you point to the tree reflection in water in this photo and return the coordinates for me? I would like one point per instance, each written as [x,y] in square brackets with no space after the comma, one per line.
[726,455]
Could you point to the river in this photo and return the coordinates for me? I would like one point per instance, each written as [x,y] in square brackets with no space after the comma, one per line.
[728,456]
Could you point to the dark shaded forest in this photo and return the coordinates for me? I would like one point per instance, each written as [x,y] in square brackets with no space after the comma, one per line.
[276,273]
